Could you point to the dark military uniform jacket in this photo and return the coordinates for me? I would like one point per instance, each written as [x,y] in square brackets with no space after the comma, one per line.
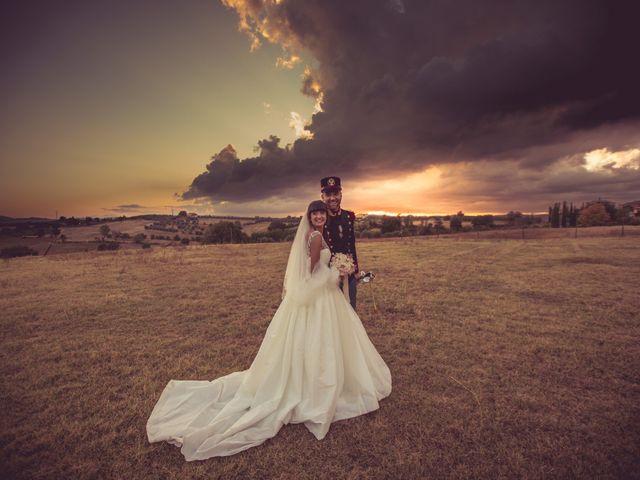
[340,235]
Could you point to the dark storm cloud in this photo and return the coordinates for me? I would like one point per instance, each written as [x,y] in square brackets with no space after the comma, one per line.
[406,84]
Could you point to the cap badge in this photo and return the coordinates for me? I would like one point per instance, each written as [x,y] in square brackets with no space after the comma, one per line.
[331,182]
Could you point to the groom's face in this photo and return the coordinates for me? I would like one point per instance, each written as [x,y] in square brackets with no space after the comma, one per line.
[332,198]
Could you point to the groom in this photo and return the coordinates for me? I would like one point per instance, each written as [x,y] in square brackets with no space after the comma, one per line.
[339,232]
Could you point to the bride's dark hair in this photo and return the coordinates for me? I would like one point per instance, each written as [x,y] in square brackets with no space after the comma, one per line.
[316,206]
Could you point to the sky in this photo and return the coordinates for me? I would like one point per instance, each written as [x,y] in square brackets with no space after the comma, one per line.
[240,107]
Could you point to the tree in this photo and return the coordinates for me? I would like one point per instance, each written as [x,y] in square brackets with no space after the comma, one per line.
[565,214]
[426,229]
[554,219]
[624,214]
[610,207]
[104,230]
[455,224]
[482,221]
[408,221]
[276,225]
[224,232]
[391,224]
[573,216]
[593,215]
[514,217]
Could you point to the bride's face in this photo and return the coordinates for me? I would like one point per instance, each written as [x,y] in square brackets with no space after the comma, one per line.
[318,218]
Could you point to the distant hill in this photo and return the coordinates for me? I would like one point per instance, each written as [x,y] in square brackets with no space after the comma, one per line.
[5,219]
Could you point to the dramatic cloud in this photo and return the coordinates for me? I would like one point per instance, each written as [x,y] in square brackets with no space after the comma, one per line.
[604,160]
[404,85]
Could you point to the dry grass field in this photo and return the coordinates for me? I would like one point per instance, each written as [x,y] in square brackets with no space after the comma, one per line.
[510,359]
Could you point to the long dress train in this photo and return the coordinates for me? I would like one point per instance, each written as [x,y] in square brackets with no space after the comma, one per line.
[315,365]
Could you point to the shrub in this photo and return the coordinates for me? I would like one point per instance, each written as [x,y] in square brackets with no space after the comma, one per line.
[371,233]
[392,224]
[289,236]
[146,245]
[17,251]
[185,241]
[139,237]
[426,230]
[108,246]
[485,221]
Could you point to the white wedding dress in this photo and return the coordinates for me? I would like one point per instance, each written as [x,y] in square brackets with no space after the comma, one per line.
[315,365]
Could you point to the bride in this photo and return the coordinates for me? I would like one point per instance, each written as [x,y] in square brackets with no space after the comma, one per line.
[316,365]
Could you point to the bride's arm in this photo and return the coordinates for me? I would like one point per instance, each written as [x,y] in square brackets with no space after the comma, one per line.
[315,247]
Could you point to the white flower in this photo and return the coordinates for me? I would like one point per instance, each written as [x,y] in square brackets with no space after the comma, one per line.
[343,263]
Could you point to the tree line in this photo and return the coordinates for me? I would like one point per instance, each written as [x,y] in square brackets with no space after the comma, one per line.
[590,214]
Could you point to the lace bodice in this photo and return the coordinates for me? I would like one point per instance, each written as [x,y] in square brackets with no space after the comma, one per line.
[325,247]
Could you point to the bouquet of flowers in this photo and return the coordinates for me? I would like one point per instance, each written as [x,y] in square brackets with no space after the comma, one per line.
[343,263]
